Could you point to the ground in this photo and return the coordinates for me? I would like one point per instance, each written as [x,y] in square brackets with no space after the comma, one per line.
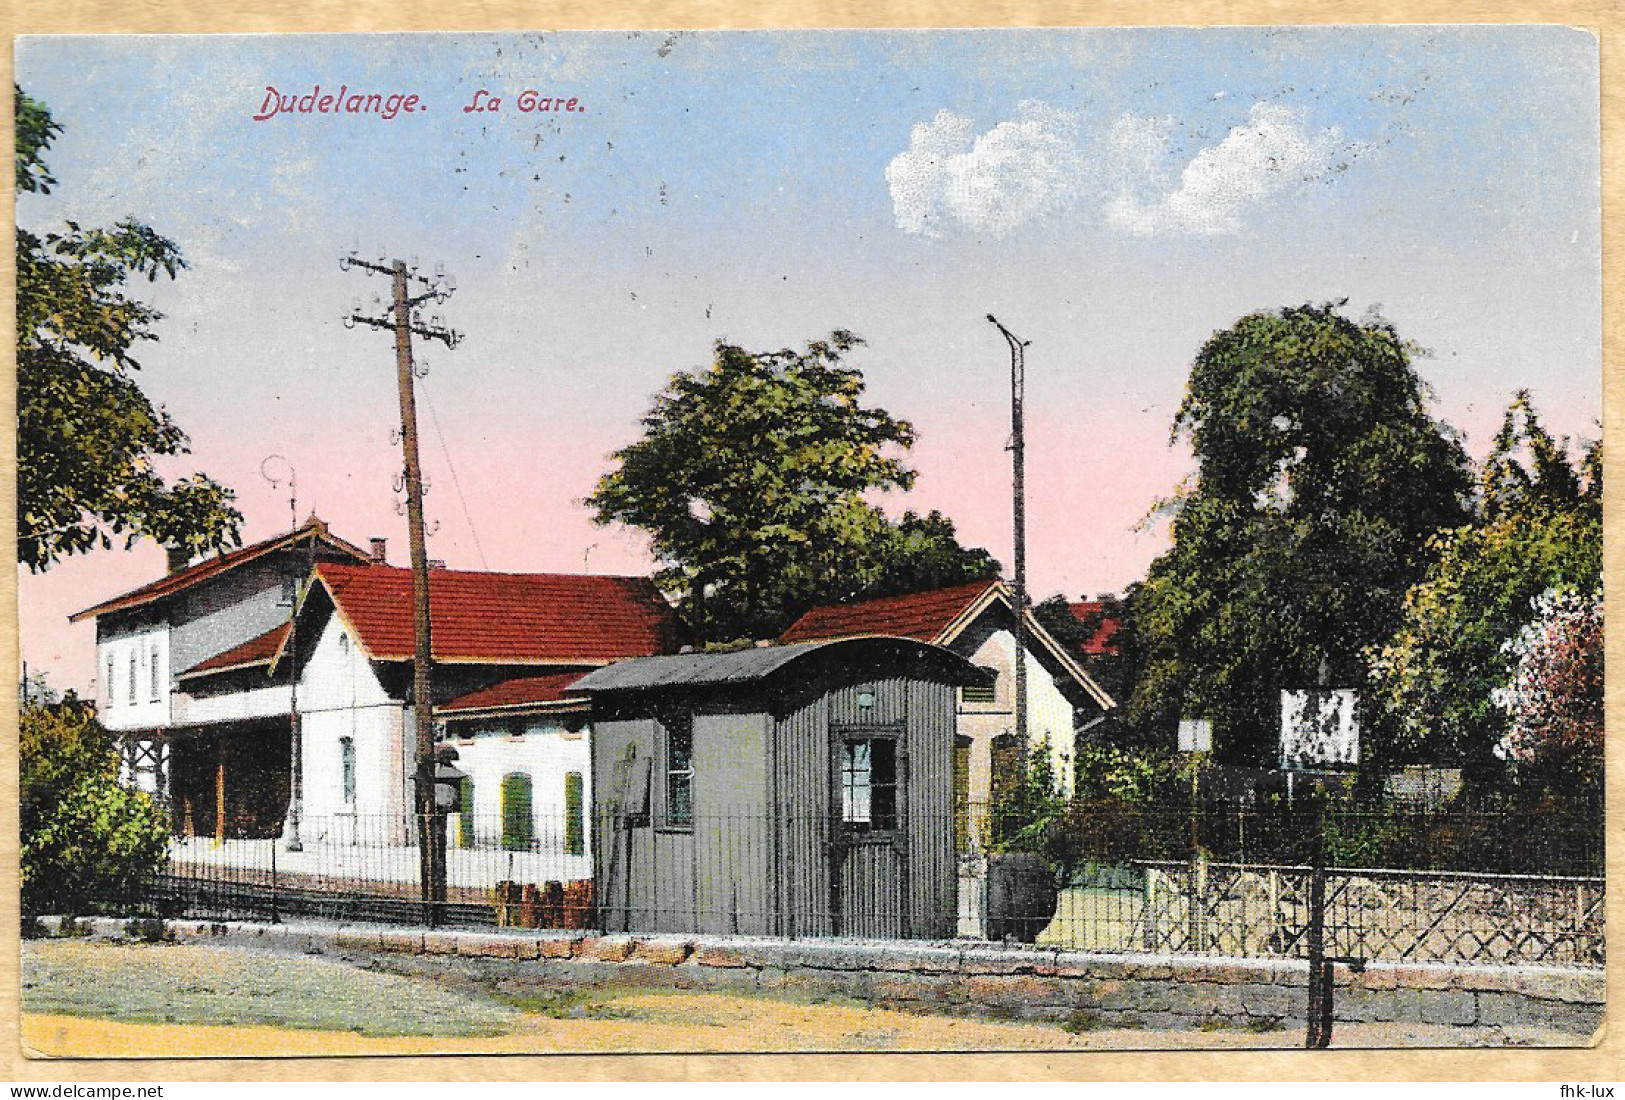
[85,998]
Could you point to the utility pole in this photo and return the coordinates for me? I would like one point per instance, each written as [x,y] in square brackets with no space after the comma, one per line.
[1018,450]
[399,317]
[296,740]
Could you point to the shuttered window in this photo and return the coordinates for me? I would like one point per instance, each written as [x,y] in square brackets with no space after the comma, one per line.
[961,795]
[575,833]
[518,828]
[465,812]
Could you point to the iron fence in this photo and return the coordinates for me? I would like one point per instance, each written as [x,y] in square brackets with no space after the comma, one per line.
[1163,883]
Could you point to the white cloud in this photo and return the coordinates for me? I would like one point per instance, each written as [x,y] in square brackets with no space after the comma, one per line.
[1039,163]
[1271,154]
[989,183]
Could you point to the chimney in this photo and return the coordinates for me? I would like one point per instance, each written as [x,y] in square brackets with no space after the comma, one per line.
[437,563]
[378,547]
[179,558]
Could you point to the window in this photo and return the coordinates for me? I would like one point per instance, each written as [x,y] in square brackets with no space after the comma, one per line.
[110,680]
[869,782]
[132,676]
[290,591]
[465,812]
[986,692]
[679,806]
[157,694]
[517,828]
[347,768]
[575,833]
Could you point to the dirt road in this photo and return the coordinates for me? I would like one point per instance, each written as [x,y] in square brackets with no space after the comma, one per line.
[97,999]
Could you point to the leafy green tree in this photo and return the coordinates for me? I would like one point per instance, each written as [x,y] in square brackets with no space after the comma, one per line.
[1539,527]
[751,480]
[919,553]
[1320,477]
[87,436]
[85,838]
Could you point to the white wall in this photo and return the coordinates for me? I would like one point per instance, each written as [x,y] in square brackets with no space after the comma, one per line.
[543,748]
[339,697]
[118,708]
[1050,714]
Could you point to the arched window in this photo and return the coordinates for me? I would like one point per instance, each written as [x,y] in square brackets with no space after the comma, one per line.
[575,831]
[347,769]
[518,829]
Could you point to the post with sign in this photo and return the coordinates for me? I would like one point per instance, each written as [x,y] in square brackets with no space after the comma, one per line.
[1196,741]
[448,799]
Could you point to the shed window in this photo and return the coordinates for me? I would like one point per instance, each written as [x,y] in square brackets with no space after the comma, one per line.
[575,834]
[109,679]
[131,695]
[518,829]
[869,782]
[679,771]
[347,768]
[156,695]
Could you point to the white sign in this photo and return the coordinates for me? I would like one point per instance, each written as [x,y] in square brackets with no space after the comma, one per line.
[1318,728]
[1195,735]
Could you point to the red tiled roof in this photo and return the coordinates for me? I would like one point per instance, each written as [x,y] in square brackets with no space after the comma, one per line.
[922,616]
[255,651]
[520,692]
[213,567]
[504,617]
[1102,642]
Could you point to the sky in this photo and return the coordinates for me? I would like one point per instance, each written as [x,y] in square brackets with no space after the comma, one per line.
[1113,196]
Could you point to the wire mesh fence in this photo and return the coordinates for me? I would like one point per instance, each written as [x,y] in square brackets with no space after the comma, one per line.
[1237,883]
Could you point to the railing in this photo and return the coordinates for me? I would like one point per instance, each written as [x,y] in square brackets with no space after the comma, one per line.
[745,872]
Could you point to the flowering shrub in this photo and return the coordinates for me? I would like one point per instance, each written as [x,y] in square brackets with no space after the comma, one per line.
[1555,698]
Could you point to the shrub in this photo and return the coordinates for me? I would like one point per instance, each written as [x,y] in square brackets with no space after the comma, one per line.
[86,840]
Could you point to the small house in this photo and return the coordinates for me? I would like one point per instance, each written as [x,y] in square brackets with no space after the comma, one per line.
[976,621]
[784,790]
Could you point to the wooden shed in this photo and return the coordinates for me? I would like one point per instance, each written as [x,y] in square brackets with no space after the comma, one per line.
[793,790]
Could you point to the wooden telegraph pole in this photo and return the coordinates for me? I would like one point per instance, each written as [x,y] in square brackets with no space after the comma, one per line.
[1018,454]
[399,318]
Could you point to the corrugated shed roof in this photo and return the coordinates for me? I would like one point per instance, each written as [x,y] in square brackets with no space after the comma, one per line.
[1100,643]
[743,666]
[537,618]
[522,691]
[213,567]
[923,616]
[255,651]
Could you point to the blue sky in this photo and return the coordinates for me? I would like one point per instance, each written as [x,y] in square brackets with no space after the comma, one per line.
[1113,195]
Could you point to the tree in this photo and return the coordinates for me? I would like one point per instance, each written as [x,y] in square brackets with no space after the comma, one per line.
[1554,702]
[919,553]
[85,838]
[751,480]
[1320,477]
[1538,527]
[87,436]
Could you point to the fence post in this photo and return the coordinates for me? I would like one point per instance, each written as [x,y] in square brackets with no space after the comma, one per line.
[1318,1032]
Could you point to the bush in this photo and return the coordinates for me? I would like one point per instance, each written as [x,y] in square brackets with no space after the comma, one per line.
[86,840]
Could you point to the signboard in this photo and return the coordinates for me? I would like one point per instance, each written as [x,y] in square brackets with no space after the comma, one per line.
[1319,729]
[1195,735]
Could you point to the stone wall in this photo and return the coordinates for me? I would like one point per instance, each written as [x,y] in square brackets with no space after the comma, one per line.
[1157,991]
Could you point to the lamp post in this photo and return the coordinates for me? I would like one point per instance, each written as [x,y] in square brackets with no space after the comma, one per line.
[1018,452]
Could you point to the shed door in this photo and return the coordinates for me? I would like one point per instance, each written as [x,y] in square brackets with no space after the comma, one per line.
[870,849]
